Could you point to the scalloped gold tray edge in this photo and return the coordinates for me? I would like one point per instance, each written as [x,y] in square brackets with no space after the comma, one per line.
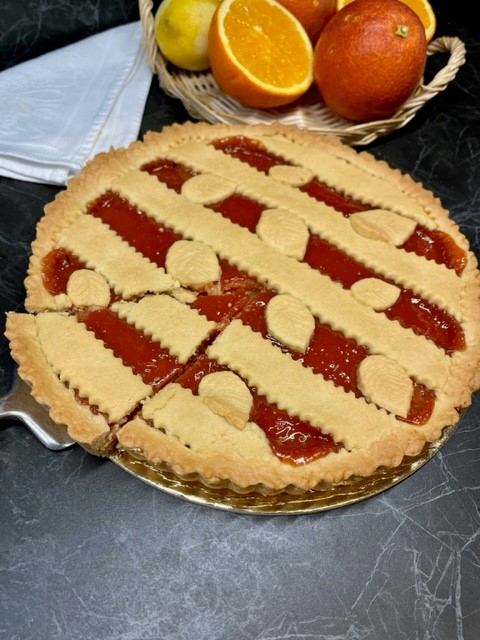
[322,498]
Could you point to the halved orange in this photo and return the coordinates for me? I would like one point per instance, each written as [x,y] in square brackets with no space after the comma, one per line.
[422,8]
[259,53]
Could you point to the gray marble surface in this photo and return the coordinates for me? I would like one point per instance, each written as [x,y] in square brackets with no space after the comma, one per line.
[29,28]
[89,552]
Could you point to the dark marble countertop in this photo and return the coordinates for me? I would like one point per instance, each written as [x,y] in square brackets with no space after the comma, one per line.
[89,552]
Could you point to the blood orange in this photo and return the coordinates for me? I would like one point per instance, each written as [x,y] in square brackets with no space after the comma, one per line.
[312,14]
[422,8]
[369,59]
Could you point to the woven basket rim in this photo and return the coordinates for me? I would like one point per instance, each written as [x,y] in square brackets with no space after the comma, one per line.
[204,100]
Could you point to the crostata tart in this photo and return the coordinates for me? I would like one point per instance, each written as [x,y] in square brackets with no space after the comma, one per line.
[254,304]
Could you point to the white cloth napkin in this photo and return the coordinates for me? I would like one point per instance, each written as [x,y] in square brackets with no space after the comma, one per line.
[60,109]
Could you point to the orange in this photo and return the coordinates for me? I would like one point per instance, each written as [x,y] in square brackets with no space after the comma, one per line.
[312,14]
[369,59]
[259,53]
[422,8]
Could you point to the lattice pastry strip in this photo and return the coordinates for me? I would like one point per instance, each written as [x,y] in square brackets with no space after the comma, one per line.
[326,299]
[84,426]
[386,259]
[174,325]
[128,272]
[296,389]
[81,361]
[351,179]
[172,409]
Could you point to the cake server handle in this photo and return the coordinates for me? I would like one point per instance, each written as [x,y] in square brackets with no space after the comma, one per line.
[19,404]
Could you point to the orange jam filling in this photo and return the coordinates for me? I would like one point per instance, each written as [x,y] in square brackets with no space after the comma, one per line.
[329,353]
[240,210]
[171,173]
[291,439]
[334,356]
[339,201]
[57,267]
[438,246]
[248,150]
[138,229]
[151,239]
[222,307]
[433,245]
[145,357]
[410,309]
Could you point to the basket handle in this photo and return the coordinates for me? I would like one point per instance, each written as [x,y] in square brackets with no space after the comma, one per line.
[147,20]
[442,78]
[447,73]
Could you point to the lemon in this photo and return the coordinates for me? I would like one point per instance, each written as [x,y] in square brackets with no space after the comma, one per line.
[181,32]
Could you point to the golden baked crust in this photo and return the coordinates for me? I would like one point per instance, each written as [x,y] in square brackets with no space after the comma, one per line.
[104,401]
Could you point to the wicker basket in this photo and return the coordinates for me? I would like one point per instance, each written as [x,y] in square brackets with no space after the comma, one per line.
[204,100]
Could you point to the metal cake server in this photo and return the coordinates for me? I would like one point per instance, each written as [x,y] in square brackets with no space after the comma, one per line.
[19,405]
